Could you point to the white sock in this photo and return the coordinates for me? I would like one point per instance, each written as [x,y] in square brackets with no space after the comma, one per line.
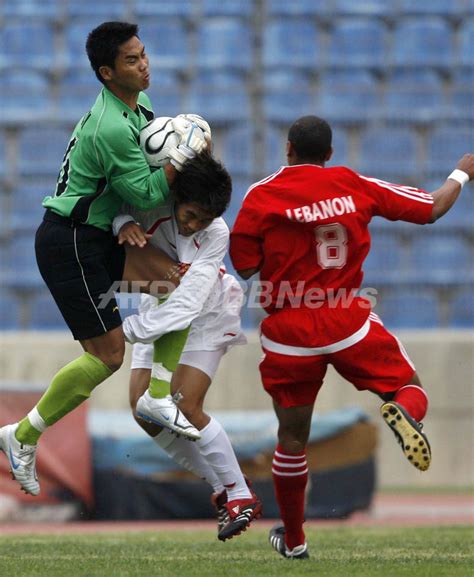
[186,454]
[36,420]
[216,448]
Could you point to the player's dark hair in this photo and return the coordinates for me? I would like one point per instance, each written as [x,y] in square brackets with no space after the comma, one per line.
[311,138]
[206,182]
[103,43]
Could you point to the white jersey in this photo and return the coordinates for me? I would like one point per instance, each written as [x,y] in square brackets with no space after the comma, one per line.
[207,299]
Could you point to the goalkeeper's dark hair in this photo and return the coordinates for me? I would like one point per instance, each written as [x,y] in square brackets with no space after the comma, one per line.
[311,138]
[103,43]
[206,182]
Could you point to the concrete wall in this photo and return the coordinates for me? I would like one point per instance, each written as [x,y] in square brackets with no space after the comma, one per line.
[444,360]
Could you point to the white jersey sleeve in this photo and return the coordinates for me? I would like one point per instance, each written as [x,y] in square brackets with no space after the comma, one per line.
[186,302]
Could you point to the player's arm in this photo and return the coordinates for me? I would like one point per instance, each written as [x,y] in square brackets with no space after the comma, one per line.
[246,250]
[445,196]
[187,301]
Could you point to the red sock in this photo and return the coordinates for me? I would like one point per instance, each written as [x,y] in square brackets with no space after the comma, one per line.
[290,475]
[414,400]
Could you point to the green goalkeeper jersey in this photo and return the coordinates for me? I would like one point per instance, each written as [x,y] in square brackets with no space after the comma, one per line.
[104,165]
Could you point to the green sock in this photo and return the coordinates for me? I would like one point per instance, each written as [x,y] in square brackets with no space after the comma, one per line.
[70,387]
[166,352]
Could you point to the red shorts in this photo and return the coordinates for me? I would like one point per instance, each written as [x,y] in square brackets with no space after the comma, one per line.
[293,369]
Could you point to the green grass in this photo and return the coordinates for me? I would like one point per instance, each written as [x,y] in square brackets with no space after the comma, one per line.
[335,552]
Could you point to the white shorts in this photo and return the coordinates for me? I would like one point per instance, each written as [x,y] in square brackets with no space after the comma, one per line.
[205,361]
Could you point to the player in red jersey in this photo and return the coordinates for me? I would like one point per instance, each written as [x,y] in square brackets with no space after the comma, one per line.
[305,230]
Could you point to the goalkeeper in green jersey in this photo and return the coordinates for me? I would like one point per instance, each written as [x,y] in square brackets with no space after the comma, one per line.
[76,251]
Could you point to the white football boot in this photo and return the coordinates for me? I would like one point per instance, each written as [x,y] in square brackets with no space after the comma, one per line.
[165,413]
[22,459]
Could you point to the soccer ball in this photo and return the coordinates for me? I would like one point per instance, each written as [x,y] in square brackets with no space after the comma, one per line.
[156,139]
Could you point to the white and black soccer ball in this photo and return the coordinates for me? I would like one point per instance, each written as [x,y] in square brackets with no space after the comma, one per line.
[157,138]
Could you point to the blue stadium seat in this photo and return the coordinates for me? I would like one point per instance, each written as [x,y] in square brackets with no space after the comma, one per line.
[275,149]
[78,90]
[239,188]
[446,145]
[422,42]
[296,8]
[461,215]
[181,8]
[221,97]
[21,271]
[102,11]
[410,309]
[238,8]
[466,43]
[75,36]
[41,150]
[291,42]
[388,153]
[348,96]
[224,43]
[341,148]
[235,147]
[380,8]
[24,95]
[385,263]
[357,42]
[166,43]
[26,204]
[413,95]
[441,259]
[287,95]
[461,95]
[462,310]
[3,154]
[445,8]
[165,93]
[10,311]
[28,44]
[44,313]
[32,9]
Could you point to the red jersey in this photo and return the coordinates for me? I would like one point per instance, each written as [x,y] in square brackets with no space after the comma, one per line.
[306,228]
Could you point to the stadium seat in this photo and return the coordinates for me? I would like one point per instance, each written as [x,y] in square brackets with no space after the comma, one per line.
[341,148]
[44,313]
[24,95]
[238,8]
[75,36]
[32,9]
[460,105]
[102,11]
[224,43]
[239,189]
[422,42]
[3,153]
[466,43]
[291,42]
[166,43]
[446,145]
[380,8]
[385,263]
[296,8]
[414,96]
[235,147]
[462,310]
[26,208]
[461,215]
[348,96]
[221,97]
[41,150]
[28,45]
[287,94]
[165,93]
[21,271]
[388,153]
[77,91]
[357,42]
[10,311]
[441,259]
[275,138]
[179,8]
[451,8]
[410,309]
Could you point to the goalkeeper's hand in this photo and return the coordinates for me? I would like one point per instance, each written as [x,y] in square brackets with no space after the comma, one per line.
[189,133]
[203,124]
[180,155]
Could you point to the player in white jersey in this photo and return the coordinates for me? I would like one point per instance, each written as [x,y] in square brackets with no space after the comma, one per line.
[189,229]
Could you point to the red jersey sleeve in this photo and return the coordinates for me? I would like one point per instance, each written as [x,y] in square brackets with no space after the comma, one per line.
[398,202]
[246,250]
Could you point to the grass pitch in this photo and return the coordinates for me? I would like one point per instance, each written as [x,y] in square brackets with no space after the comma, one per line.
[335,552]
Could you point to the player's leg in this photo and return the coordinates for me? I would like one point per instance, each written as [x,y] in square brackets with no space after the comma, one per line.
[380,364]
[190,383]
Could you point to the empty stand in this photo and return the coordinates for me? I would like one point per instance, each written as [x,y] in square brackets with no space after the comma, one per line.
[28,44]
[409,309]
[446,145]
[41,150]
[225,43]
[44,313]
[166,43]
[287,95]
[291,42]
[462,309]
[358,42]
